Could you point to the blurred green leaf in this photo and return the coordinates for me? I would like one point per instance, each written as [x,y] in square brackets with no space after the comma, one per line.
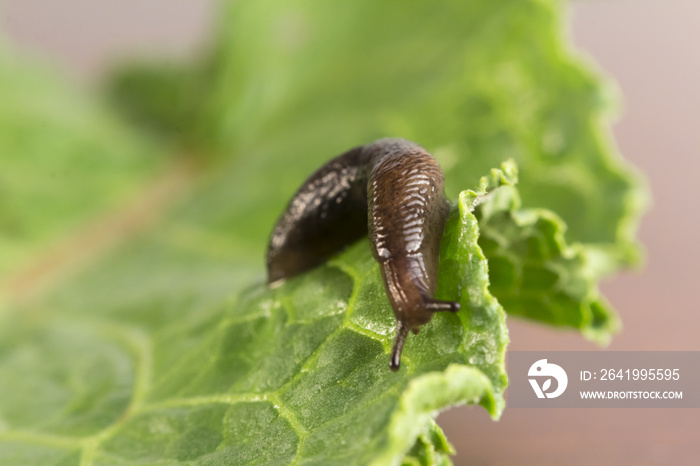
[63,160]
[477,82]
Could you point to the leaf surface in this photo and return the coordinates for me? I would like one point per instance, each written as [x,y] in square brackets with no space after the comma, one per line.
[281,375]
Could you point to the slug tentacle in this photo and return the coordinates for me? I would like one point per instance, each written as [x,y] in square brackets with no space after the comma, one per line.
[395,358]
[435,305]
[392,190]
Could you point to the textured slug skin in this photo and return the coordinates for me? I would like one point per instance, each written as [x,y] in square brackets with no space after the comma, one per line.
[392,190]
[325,215]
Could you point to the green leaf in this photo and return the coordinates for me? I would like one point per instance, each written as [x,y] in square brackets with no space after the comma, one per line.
[276,376]
[288,374]
[536,274]
[64,160]
[170,349]
[431,448]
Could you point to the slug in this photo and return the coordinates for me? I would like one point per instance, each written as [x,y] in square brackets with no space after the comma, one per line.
[391,190]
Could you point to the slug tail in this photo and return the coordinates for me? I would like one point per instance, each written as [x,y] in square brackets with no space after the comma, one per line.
[401,334]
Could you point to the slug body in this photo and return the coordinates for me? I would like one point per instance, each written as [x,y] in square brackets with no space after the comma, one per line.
[391,190]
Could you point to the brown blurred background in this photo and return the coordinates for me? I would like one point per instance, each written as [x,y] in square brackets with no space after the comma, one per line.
[652,49]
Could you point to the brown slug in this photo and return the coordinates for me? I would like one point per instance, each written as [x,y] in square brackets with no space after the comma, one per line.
[391,189]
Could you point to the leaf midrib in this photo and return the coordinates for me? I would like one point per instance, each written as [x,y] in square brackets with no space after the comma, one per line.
[86,245]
